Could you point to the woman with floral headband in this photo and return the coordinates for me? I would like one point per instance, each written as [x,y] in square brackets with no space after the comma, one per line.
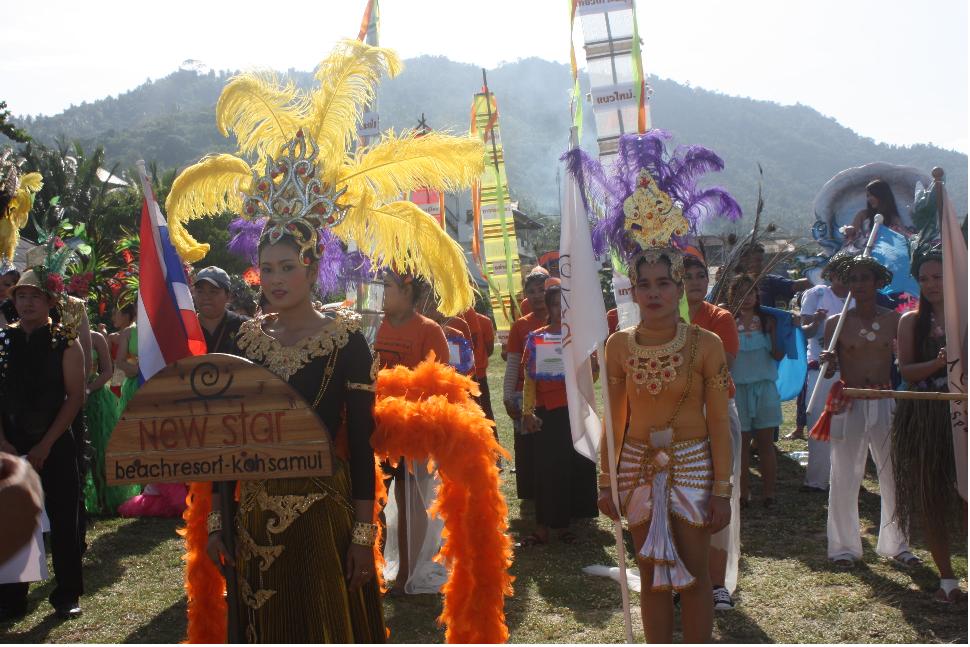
[306,564]
[667,382]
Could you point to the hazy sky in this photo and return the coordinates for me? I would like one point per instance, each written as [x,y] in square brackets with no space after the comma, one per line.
[895,71]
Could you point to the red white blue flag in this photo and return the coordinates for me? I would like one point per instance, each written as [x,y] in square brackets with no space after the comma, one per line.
[168,327]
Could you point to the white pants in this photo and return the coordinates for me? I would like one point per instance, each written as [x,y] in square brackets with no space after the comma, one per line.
[819,459]
[865,426]
[729,539]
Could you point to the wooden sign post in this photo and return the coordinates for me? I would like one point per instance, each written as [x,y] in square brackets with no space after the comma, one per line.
[216,418]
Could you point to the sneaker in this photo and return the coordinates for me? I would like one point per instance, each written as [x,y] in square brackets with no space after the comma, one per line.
[722,599]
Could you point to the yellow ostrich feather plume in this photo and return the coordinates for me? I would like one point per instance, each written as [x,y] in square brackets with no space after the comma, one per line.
[208,188]
[263,113]
[398,164]
[31,182]
[347,79]
[400,234]
[18,211]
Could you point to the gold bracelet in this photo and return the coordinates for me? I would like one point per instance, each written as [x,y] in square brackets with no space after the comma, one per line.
[214,522]
[722,489]
[364,534]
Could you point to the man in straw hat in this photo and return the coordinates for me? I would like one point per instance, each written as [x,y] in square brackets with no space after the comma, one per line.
[864,355]
[42,391]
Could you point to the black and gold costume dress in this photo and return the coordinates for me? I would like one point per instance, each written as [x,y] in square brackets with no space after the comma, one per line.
[293,534]
[922,449]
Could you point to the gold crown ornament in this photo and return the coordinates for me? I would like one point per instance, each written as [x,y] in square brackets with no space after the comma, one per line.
[313,179]
[294,200]
[652,219]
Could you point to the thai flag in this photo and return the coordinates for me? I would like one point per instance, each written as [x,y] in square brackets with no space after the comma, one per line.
[168,327]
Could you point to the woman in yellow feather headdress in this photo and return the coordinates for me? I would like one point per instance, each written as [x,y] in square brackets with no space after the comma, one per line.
[306,560]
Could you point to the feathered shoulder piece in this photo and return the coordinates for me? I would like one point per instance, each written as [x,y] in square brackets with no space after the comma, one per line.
[294,175]
[17,191]
[649,201]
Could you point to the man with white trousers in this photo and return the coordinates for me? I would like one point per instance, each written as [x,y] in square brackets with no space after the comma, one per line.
[818,303]
[864,354]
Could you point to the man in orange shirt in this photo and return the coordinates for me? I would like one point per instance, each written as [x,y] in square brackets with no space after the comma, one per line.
[512,386]
[550,263]
[725,544]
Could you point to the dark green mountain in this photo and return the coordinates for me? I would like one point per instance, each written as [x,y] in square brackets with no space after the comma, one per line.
[170,120]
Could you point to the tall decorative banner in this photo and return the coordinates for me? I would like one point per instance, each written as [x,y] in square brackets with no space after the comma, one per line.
[370,124]
[955,320]
[432,202]
[584,327]
[618,89]
[494,245]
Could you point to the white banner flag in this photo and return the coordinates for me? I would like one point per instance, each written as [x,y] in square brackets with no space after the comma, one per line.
[583,318]
[955,298]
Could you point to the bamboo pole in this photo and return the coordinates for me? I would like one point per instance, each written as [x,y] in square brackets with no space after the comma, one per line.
[876,224]
[615,492]
[879,394]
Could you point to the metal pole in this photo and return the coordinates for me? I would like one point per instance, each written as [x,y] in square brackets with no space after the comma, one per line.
[876,224]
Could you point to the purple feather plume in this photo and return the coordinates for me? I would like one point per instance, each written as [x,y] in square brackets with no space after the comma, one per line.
[337,269]
[676,174]
[245,238]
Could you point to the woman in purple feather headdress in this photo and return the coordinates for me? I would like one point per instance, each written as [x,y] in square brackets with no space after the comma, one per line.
[668,379]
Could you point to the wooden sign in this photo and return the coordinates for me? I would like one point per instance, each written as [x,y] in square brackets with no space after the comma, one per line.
[216,418]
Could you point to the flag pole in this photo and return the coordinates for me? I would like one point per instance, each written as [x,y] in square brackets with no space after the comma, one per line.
[615,494]
[876,224]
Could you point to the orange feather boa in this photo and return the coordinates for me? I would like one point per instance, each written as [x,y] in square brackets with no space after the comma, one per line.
[424,413]
[204,584]
[428,413]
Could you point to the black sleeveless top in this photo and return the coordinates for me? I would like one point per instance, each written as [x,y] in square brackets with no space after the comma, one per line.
[31,381]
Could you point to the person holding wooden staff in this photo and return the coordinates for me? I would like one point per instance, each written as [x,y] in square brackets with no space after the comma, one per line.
[818,303]
[864,356]
[924,469]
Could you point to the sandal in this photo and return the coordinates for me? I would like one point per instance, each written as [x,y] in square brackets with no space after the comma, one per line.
[567,537]
[907,559]
[948,593]
[844,563]
[532,540]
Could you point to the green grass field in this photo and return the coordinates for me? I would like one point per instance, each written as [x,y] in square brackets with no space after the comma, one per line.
[787,590]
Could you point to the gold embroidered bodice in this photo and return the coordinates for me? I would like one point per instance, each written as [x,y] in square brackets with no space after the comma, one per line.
[285,361]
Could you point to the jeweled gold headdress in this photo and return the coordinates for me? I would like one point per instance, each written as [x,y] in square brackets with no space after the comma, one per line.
[313,183]
[297,204]
[652,220]
[650,202]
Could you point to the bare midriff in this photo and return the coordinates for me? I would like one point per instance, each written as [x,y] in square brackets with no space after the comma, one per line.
[700,414]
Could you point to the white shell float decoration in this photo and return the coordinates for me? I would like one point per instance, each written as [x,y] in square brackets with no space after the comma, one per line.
[842,197]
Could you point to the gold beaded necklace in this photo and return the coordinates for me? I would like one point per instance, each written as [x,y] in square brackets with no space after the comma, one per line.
[656,366]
